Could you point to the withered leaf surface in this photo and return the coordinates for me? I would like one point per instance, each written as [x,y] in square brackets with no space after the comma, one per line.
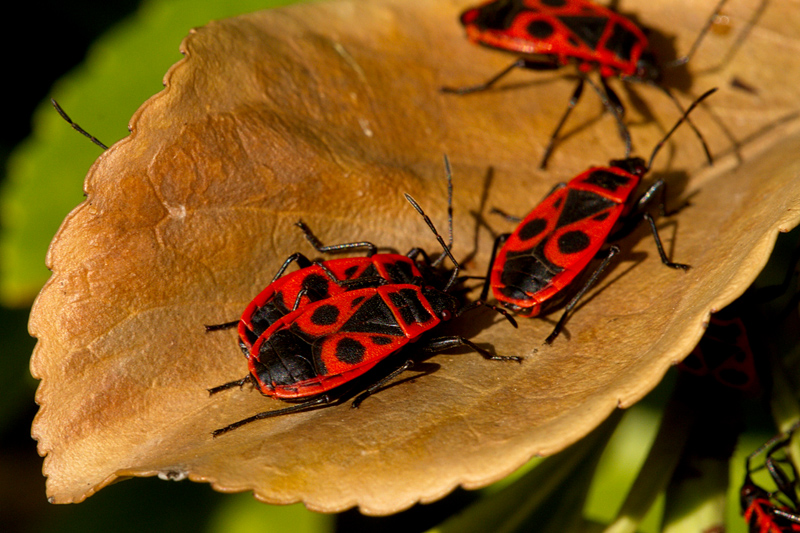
[329,112]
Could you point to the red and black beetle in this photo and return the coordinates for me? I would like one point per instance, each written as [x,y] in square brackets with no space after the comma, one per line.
[771,512]
[319,280]
[548,34]
[535,267]
[312,353]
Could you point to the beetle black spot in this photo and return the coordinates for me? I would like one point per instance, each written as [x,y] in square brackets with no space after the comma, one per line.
[350,351]
[370,272]
[527,272]
[573,242]
[399,272]
[357,300]
[325,315]
[554,3]
[494,15]
[532,228]
[278,302]
[411,309]
[621,42]
[251,338]
[540,29]
[266,315]
[588,29]
[374,316]
[607,180]
[601,217]
[380,340]
[524,276]
[581,205]
[316,287]
[284,359]
[350,271]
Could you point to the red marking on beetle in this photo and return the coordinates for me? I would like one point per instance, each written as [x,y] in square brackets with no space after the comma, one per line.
[549,34]
[771,512]
[537,266]
[315,351]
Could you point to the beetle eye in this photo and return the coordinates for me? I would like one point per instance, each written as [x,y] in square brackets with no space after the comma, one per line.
[446,315]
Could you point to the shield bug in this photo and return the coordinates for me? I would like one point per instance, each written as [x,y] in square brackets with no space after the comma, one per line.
[319,280]
[315,353]
[539,265]
[549,34]
[771,512]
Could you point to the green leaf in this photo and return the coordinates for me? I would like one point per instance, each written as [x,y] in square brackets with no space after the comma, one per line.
[243,513]
[45,173]
[507,509]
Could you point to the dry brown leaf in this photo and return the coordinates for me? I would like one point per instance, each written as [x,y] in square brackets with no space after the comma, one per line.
[329,112]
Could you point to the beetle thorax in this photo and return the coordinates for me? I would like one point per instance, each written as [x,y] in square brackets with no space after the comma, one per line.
[646,67]
[444,305]
[632,165]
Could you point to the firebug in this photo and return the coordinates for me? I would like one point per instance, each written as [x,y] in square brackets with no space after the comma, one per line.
[549,34]
[319,280]
[539,265]
[771,512]
[316,352]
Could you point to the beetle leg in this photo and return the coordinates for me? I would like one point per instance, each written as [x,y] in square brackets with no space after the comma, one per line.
[231,384]
[334,248]
[217,327]
[543,64]
[440,344]
[573,101]
[498,243]
[380,383]
[614,250]
[320,400]
[649,218]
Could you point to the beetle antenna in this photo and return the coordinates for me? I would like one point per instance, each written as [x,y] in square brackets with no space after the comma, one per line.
[76,127]
[439,238]
[709,21]
[449,175]
[678,123]
[697,133]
